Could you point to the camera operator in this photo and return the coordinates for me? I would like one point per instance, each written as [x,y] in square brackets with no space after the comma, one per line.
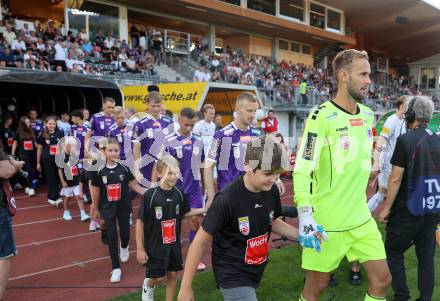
[8,168]
[413,200]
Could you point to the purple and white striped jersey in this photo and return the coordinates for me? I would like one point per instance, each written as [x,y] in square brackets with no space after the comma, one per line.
[228,150]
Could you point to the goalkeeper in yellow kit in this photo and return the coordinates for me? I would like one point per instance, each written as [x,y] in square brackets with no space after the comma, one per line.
[331,175]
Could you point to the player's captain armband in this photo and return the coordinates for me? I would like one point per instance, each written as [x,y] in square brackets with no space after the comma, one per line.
[309,148]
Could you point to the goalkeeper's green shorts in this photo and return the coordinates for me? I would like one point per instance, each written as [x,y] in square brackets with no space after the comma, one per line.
[361,244]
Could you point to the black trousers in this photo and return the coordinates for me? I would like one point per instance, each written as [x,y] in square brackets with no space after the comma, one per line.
[50,169]
[29,167]
[402,233]
[123,219]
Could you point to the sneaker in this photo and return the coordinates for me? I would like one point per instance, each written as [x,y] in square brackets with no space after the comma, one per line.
[84,217]
[355,278]
[116,276]
[104,237]
[124,254]
[17,186]
[92,226]
[98,225]
[51,202]
[26,190]
[332,282]
[147,292]
[67,215]
[58,202]
[31,192]
[201,267]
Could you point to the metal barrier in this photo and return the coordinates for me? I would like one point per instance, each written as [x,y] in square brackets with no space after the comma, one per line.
[177,41]
[121,78]
[289,98]
[180,64]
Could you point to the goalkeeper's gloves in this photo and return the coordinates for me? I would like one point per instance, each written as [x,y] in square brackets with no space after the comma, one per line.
[310,233]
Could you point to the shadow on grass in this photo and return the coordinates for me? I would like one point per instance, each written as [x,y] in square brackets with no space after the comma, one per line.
[284,279]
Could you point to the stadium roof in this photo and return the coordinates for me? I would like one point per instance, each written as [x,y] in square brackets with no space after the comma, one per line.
[233,17]
[405,29]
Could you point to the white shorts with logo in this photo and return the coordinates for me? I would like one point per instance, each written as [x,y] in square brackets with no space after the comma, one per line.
[384,175]
[70,191]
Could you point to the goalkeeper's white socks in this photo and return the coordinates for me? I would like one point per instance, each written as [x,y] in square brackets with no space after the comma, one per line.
[375,200]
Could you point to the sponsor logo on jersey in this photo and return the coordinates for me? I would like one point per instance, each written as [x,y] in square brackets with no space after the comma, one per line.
[74,170]
[356,122]
[310,146]
[28,145]
[168,231]
[244,225]
[158,211]
[257,250]
[113,192]
[345,128]
[332,116]
[53,149]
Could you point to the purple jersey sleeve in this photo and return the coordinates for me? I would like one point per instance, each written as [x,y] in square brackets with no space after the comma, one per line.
[214,152]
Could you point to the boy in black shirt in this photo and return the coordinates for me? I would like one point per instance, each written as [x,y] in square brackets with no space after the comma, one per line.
[239,223]
[158,229]
[69,175]
[111,201]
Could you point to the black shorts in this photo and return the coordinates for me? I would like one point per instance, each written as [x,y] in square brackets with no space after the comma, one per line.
[83,176]
[158,266]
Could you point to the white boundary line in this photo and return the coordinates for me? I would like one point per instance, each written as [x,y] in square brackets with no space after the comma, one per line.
[38,243]
[42,206]
[75,264]
[21,197]
[42,221]
[51,220]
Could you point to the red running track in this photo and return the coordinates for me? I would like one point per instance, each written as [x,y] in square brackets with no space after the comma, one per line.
[60,260]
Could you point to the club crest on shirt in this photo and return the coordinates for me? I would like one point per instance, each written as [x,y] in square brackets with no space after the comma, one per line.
[104,179]
[158,211]
[121,177]
[196,150]
[345,142]
[244,225]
